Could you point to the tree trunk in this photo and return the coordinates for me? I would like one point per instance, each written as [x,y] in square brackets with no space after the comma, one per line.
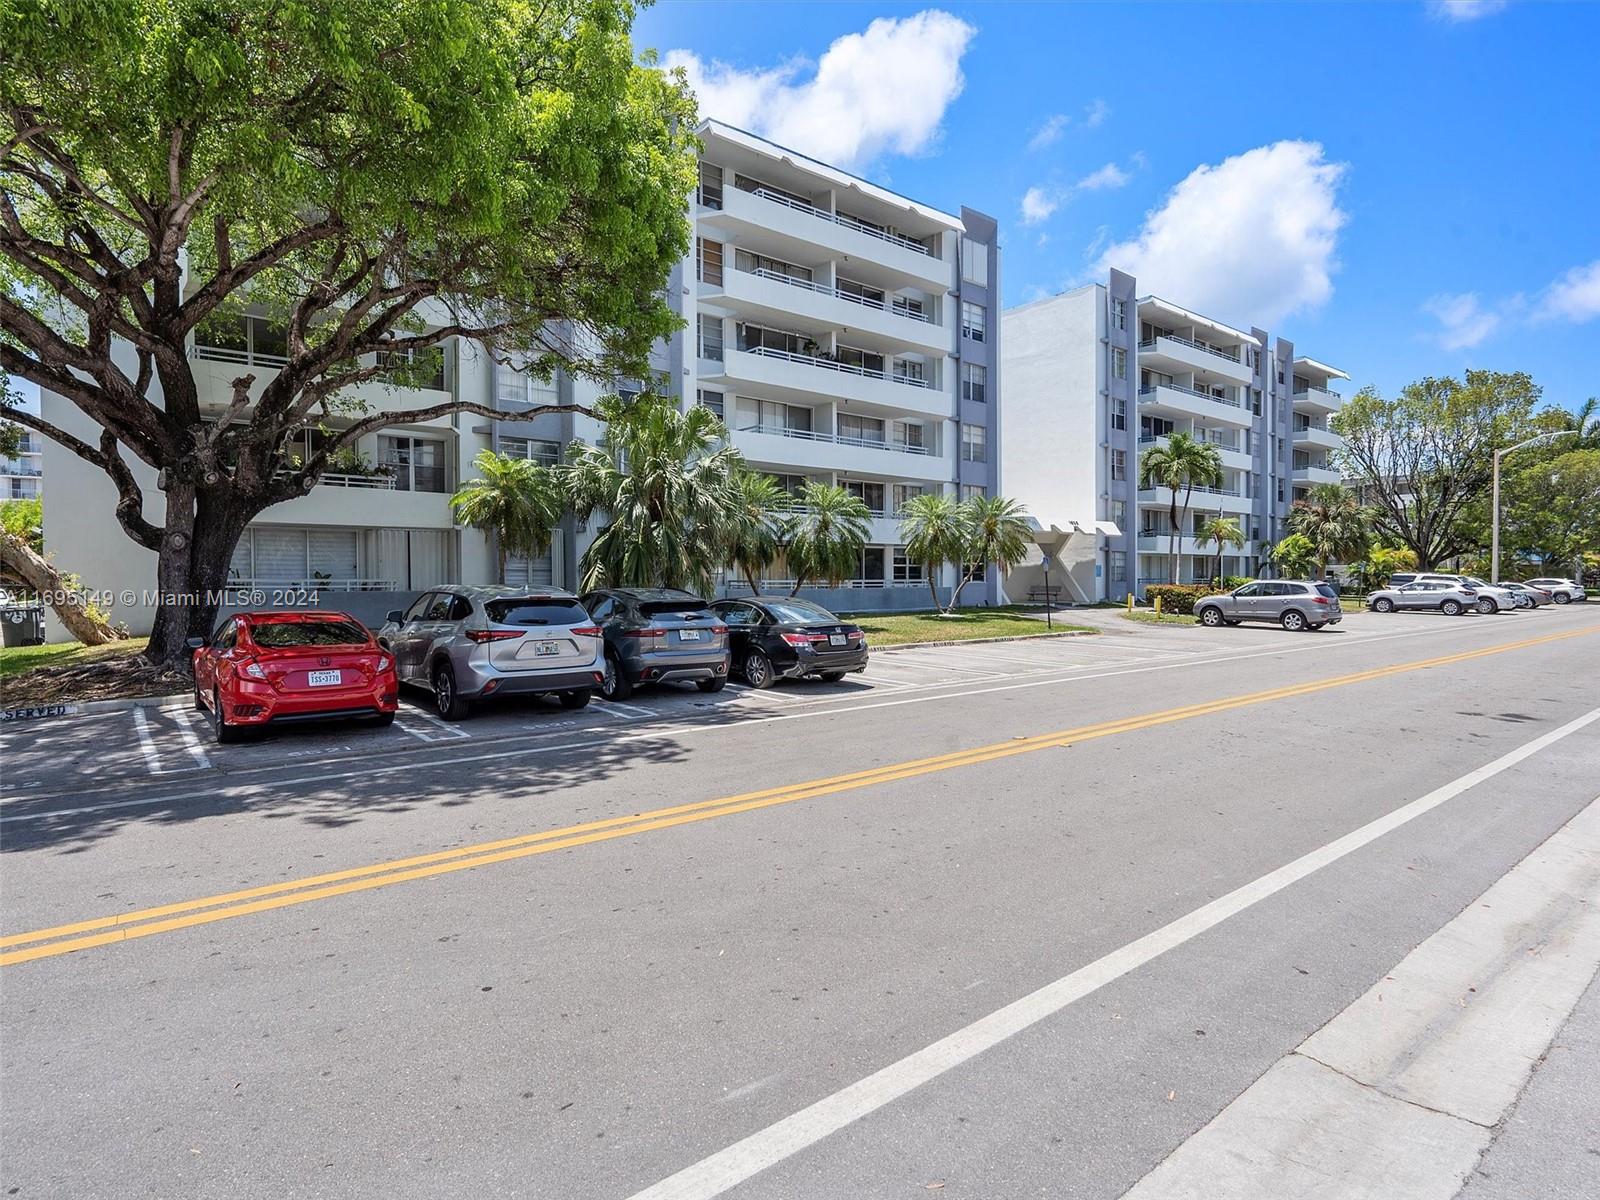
[201,533]
[933,589]
[750,578]
[19,559]
[1172,535]
[500,559]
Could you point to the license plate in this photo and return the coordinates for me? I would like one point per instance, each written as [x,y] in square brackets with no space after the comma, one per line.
[837,639]
[322,678]
[688,635]
[544,649]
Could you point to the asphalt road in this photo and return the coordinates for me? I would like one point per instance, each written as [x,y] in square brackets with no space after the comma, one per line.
[506,981]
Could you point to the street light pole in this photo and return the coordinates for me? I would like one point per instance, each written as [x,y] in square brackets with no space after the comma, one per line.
[1494,500]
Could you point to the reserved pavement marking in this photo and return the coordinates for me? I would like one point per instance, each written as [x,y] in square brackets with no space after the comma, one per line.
[728,1168]
[100,931]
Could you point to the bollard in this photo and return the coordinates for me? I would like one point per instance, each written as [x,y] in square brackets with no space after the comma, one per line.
[1130,602]
[1158,608]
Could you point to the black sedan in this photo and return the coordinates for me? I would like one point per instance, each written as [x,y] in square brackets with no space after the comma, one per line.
[773,639]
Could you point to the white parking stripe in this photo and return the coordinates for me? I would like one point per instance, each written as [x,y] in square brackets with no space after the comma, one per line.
[416,733]
[147,745]
[634,709]
[728,1168]
[452,730]
[183,719]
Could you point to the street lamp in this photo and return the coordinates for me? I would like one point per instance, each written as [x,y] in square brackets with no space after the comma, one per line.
[1494,503]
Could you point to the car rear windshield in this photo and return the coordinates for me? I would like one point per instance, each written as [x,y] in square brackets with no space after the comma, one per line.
[1327,589]
[798,612]
[688,608]
[536,610]
[279,634]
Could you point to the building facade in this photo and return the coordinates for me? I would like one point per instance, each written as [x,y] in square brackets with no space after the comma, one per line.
[842,332]
[1098,375]
[20,477]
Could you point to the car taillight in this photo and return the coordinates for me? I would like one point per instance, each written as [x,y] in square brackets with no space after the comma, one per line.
[803,639]
[642,633]
[1319,600]
[492,635]
[719,629]
[586,630]
[383,663]
[251,669]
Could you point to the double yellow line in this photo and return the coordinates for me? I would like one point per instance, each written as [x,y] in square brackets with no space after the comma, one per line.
[121,927]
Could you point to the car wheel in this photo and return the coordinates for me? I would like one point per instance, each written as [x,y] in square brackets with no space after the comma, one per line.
[1293,620]
[832,676]
[1487,606]
[1383,604]
[1211,617]
[1563,598]
[447,702]
[1451,608]
[758,670]
[577,698]
[615,684]
[225,734]
[383,720]
[712,685]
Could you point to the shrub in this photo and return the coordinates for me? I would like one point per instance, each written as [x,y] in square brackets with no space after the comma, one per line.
[1177,597]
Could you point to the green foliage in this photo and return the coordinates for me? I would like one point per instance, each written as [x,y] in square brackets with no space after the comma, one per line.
[1182,465]
[1221,531]
[999,533]
[1295,556]
[1333,521]
[936,531]
[756,523]
[827,533]
[665,480]
[1177,597]
[514,500]
[1373,571]
[1550,508]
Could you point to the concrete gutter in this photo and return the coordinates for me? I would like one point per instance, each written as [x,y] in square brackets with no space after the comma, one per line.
[1400,1094]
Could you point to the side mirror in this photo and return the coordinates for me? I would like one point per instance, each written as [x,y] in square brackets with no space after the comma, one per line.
[395,615]
[194,644]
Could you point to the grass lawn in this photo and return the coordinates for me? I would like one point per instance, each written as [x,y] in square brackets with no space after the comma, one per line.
[1145,616]
[899,629]
[14,660]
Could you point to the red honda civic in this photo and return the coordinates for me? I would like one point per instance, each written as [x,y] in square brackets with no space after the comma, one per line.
[265,668]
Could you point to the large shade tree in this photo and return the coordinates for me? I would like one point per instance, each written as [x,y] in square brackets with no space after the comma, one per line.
[381,180]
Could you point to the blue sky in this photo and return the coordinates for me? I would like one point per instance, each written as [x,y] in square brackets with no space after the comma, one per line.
[1428,175]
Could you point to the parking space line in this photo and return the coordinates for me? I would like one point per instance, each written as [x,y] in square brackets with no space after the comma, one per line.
[147,745]
[452,730]
[406,728]
[183,719]
[633,708]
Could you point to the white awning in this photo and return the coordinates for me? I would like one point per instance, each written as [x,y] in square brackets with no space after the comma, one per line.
[1313,364]
[1109,528]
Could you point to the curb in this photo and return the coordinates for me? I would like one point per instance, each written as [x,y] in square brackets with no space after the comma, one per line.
[1015,637]
[79,708]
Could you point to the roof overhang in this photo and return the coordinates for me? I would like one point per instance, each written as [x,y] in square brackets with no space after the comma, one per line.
[839,179]
[1330,372]
[1193,318]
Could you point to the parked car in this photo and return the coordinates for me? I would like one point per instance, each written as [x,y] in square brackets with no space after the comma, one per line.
[773,639]
[1563,591]
[466,644]
[658,635]
[1491,597]
[1525,596]
[1294,604]
[1452,599]
[264,668]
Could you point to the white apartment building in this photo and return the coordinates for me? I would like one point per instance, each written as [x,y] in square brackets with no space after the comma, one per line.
[843,332]
[20,477]
[1096,376]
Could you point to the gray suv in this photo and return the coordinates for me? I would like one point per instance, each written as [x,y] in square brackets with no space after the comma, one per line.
[470,643]
[1294,604]
[658,635]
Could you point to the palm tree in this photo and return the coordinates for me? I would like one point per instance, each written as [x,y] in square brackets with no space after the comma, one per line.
[665,480]
[1333,521]
[827,533]
[1000,534]
[935,530]
[516,501]
[1223,531]
[1182,463]
[753,528]
[1293,556]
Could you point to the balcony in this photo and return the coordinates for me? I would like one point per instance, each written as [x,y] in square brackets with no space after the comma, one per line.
[366,502]
[1315,475]
[1318,437]
[804,449]
[806,224]
[782,374]
[1168,349]
[775,296]
[1316,399]
[1231,453]
[1178,399]
[216,367]
[1200,499]
[1154,541]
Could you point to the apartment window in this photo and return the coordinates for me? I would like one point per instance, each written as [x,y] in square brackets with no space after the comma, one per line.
[744,260]
[862,293]
[910,306]
[1119,362]
[1119,566]
[708,261]
[974,382]
[871,567]
[243,339]
[974,443]
[1119,413]
[973,491]
[709,194]
[905,570]
[417,463]
[908,433]
[1119,464]
[861,429]
[911,370]
[761,187]
[1252,356]
[869,362]
[1255,401]
[709,331]
[777,417]
[513,387]
[974,321]
[1280,491]
[539,451]
[903,492]
[1117,510]
[709,399]
[870,494]
[1119,314]
[974,262]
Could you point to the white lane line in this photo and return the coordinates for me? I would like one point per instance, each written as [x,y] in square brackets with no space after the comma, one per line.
[635,709]
[183,718]
[710,726]
[452,730]
[730,1167]
[406,727]
[147,745]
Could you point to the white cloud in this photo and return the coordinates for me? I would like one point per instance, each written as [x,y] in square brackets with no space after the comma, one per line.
[1108,176]
[1038,204]
[1253,238]
[1463,321]
[1095,114]
[1457,11]
[1575,296]
[882,91]
[1050,132]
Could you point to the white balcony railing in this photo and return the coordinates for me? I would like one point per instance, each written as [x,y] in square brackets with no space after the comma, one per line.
[882,235]
[897,308]
[840,439]
[312,583]
[229,354]
[828,364]
[1317,393]
[1183,341]
[1188,391]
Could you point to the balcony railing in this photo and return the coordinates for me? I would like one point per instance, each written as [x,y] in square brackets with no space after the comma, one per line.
[1188,391]
[769,586]
[1183,341]
[1210,491]
[312,583]
[882,235]
[1316,393]
[828,364]
[1146,439]
[824,289]
[841,439]
[229,354]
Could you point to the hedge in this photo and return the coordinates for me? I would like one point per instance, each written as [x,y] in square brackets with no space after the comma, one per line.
[1177,597]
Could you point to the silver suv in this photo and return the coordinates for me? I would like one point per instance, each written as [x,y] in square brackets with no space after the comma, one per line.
[1294,604]
[658,635]
[1439,595]
[470,643]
